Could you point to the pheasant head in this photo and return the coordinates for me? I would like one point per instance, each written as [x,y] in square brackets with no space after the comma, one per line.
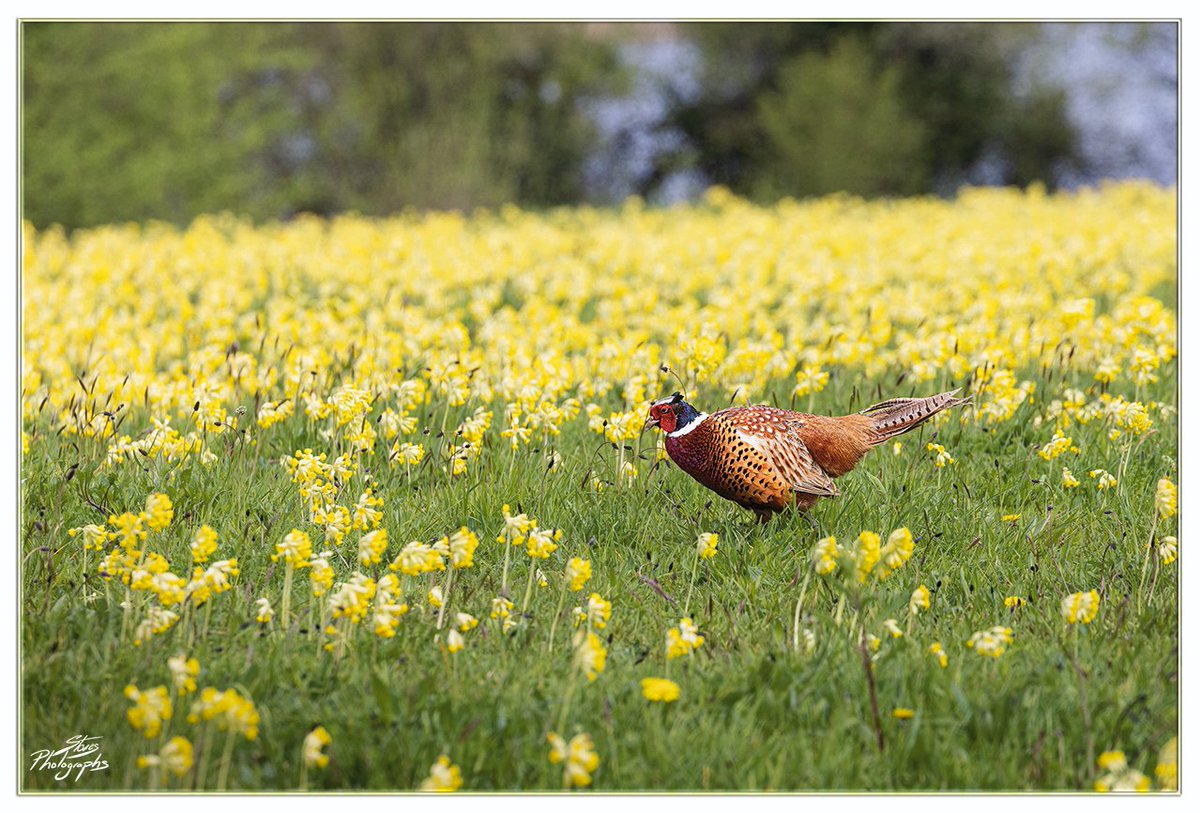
[672,414]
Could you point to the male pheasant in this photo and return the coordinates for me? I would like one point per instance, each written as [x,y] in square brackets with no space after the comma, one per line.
[765,459]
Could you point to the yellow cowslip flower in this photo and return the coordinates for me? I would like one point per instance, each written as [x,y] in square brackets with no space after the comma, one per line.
[454,641]
[1081,608]
[465,622]
[128,530]
[1107,370]
[892,628]
[461,547]
[683,639]
[435,597]
[320,574]
[314,744]
[174,757]
[364,515]
[1011,518]
[371,547]
[295,549]
[590,654]
[1057,446]
[94,536]
[660,690]
[150,708]
[991,642]
[897,448]
[264,613]
[598,485]
[935,649]
[1014,602]
[183,673]
[874,642]
[825,556]
[386,611]
[541,541]
[228,709]
[1068,479]
[866,554]
[1166,498]
[351,599]
[902,713]
[1106,480]
[158,620]
[578,572]
[1168,550]
[159,512]
[941,458]
[204,544]
[410,454]
[416,558]
[706,545]
[1119,776]
[218,574]
[515,527]
[897,551]
[919,600]
[810,379]
[597,612]
[578,758]
[501,608]
[1167,769]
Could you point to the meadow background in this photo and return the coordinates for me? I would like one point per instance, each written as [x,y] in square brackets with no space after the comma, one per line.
[328,500]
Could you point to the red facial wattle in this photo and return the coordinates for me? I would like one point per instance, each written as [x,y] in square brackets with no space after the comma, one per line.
[666,418]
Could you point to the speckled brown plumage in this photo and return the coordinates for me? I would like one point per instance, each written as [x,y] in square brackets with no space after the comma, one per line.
[765,459]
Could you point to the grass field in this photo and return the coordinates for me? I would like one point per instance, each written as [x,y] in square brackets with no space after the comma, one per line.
[514,354]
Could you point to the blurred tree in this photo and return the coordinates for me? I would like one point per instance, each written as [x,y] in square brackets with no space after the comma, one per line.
[168,120]
[836,123]
[946,88]
[457,115]
[144,120]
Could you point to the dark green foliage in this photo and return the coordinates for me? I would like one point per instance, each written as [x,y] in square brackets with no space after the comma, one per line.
[837,123]
[168,121]
[810,108]
[136,121]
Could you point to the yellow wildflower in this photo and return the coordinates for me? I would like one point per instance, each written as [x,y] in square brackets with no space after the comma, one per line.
[660,690]
[578,758]
[1081,608]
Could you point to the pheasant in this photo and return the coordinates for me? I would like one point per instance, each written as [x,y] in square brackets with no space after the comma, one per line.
[765,459]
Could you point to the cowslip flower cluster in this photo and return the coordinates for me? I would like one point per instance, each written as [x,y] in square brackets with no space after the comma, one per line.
[174,757]
[706,545]
[919,600]
[941,458]
[991,643]
[1080,608]
[228,709]
[1166,498]
[314,747]
[660,690]
[150,708]
[590,654]
[578,572]
[578,758]
[444,776]
[683,639]
[1118,775]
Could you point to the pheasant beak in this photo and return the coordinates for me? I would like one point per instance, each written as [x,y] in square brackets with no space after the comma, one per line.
[651,421]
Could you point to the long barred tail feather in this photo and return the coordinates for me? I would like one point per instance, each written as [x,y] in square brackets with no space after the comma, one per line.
[899,415]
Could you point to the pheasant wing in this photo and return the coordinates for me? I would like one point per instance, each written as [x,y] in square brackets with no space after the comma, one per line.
[774,433]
